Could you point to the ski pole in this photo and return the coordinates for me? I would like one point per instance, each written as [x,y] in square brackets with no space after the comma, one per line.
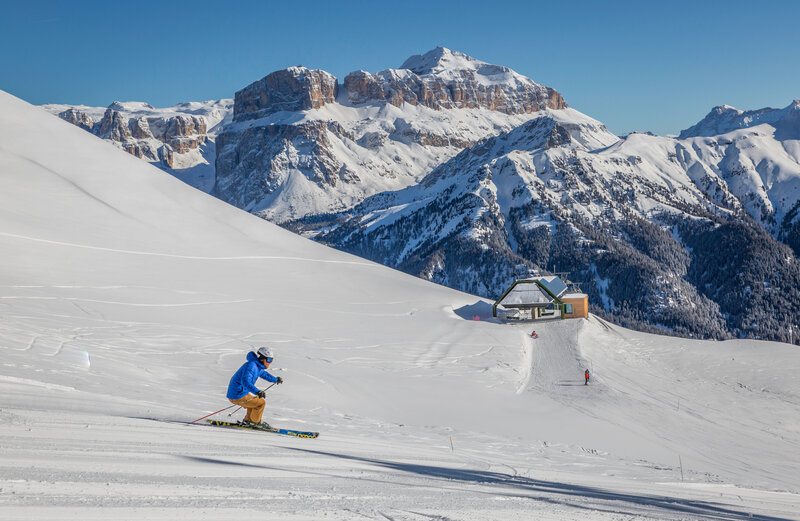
[213,413]
[237,410]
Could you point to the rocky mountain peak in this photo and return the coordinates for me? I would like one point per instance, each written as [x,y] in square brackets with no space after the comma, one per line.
[724,118]
[445,79]
[544,132]
[131,106]
[291,89]
[439,59]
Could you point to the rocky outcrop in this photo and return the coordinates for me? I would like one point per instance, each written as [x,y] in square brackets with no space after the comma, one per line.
[278,153]
[445,79]
[293,89]
[362,87]
[77,118]
[184,133]
[172,138]
[143,151]
[145,136]
[114,127]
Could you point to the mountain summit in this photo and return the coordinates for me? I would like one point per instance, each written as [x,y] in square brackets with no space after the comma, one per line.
[303,144]
[445,79]
[724,119]
[439,59]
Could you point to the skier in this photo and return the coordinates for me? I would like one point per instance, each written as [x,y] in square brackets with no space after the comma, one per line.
[586,376]
[242,390]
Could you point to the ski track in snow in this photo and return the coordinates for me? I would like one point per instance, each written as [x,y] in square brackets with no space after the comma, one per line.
[189,257]
[142,304]
[100,464]
[281,478]
[527,361]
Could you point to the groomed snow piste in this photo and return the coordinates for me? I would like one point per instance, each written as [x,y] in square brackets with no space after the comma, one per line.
[127,300]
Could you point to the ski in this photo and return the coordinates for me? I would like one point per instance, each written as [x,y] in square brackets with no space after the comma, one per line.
[274,430]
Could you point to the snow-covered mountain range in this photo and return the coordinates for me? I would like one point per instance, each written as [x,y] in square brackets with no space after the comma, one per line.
[129,299]
[302,144]
[495,175]
[179,139]
[624,216]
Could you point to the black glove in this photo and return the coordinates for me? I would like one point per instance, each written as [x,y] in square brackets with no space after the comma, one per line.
[280,380]
[261,394]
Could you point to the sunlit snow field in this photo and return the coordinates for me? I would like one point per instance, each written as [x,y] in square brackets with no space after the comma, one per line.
[128,299]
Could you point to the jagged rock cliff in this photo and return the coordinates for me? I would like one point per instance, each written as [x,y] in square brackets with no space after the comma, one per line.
[178,139]
[290,90]
[445,79]
[301,144]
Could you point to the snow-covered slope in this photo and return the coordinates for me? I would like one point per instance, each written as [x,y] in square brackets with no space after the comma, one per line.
[178,139]
[127,296]
[757,152]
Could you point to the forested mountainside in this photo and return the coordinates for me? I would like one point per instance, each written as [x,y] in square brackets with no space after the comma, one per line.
[655,235]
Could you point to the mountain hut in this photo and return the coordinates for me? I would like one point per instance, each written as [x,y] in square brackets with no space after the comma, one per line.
[541,297]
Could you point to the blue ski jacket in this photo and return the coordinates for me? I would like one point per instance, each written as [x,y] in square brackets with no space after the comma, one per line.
[243,381]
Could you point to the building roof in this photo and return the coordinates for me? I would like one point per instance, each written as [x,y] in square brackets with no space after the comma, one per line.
[556,286]
[533,292]
[526,294]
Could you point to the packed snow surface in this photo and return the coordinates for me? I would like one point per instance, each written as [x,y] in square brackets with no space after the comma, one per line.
[128,299]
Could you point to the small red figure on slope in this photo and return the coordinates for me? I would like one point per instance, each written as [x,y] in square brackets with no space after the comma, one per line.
[586,376]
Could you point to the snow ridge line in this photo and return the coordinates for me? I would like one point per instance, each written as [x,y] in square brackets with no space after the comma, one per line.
[191,257]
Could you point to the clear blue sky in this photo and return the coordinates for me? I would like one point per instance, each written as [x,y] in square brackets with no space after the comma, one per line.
[639,65]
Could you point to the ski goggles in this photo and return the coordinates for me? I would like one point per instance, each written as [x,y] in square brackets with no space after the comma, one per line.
[268,359]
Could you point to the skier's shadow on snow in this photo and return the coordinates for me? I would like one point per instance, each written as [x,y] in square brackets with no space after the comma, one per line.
[568,383]
[697,509]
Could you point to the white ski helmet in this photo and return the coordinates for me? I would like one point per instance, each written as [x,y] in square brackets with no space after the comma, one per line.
[265,352]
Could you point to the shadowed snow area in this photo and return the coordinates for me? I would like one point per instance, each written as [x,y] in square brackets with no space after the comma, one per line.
[128,299]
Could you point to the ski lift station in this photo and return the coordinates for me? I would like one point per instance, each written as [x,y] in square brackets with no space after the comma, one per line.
[536,298]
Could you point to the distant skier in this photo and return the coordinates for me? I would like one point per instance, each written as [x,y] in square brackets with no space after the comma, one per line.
[534,335]
[586,376]
[243,391]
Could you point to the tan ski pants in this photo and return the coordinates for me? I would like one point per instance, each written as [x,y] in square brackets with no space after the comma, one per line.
[253,405]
